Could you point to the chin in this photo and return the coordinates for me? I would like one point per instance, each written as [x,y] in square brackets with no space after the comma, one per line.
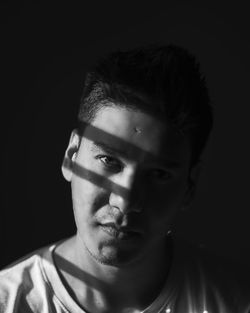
[114,256]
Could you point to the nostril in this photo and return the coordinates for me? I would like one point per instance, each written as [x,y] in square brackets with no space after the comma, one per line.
[117,201]
[125,205]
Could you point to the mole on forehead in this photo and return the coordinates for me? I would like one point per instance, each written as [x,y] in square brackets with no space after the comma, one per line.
[137,129]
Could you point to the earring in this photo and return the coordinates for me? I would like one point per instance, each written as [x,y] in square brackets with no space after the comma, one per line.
[73,157]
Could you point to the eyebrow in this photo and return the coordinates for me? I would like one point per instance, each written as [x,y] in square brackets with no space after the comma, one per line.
[109,149]
[116,151]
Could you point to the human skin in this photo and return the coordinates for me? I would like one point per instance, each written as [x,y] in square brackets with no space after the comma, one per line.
[122,221]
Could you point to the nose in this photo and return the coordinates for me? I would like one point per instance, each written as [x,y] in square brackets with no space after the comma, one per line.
[129,199]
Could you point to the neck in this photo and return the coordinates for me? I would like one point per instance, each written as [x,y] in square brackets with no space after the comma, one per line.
[141,281]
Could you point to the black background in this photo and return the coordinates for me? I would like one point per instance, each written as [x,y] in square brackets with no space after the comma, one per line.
[45,50]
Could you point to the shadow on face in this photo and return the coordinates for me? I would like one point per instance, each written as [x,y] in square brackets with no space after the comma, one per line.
[146,142]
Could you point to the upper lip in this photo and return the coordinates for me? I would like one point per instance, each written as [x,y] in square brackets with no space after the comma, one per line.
[119,228]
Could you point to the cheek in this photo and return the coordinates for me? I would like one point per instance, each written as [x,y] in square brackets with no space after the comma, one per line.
[87,198]
[162,210]
[82,191]
[165,201]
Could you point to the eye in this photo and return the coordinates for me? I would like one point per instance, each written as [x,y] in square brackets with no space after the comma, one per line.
[110,163]
[160,175]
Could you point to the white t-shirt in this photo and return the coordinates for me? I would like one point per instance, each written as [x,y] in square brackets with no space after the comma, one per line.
[194,285]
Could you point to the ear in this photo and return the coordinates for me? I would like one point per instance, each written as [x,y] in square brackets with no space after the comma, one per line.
[193,177]
[70,155]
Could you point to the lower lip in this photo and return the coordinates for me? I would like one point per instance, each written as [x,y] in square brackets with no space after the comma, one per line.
[120,235]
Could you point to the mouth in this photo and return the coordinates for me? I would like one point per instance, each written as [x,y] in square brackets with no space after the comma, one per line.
[121,233]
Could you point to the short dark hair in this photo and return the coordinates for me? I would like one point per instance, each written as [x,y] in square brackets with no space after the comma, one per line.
[165,80]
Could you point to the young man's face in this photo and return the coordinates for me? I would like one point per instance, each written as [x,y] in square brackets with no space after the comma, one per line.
[129,179]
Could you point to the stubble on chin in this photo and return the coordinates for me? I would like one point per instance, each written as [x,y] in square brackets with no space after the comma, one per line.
[104,255]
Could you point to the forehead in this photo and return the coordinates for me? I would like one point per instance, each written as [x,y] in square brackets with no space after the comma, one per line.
[136,133]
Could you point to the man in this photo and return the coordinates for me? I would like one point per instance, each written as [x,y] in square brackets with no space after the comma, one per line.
[133,164]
